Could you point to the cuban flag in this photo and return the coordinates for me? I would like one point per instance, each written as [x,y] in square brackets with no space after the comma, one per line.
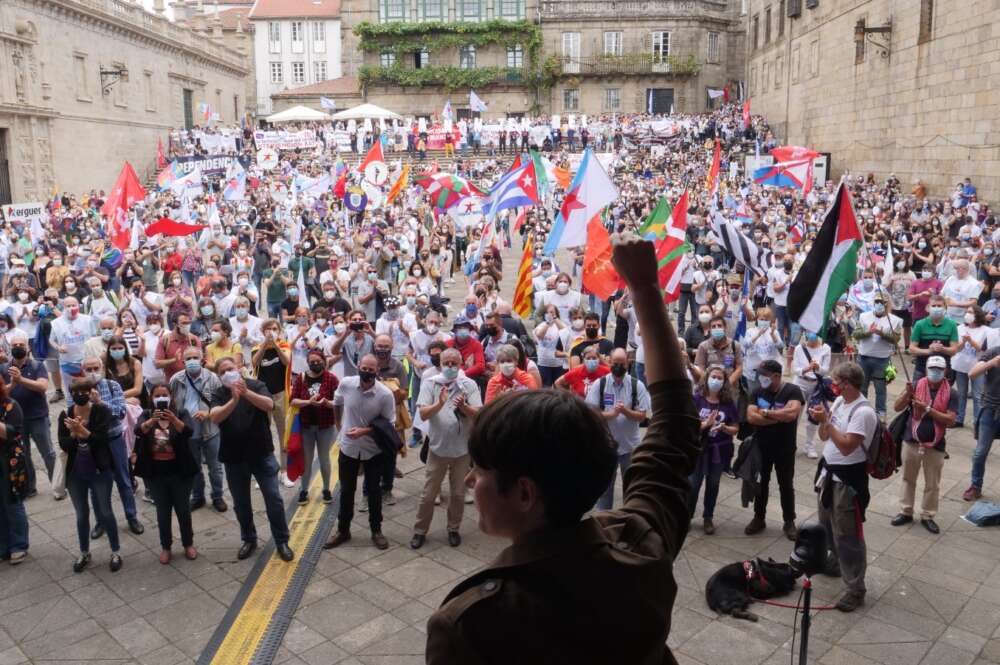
[790,175]
[516,188]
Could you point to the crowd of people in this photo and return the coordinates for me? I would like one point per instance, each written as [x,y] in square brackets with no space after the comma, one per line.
[176,356]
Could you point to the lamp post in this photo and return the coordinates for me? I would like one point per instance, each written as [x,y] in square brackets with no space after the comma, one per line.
[863,33]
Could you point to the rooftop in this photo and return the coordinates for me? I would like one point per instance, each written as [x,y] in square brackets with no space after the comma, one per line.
[268,9]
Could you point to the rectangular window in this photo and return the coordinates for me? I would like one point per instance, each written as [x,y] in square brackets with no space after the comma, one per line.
[571,99]
[147,84]
[274,36]
[859,48]
[767,25]
[298,38]
[319,71]
[779,71]
[421,59]
[467,57]
[765,70]
[392,10]
[755,32]
[387,58]
[277,73]
[612,99]
[926,26]
[571,52]
[515,56]
[470,10]
[814,58]
[509,9]
[432,10]
[319,36]
[82,80]
[796,62]
[713,47]
[661,46]
[613,43]
[781,18]
[298,72]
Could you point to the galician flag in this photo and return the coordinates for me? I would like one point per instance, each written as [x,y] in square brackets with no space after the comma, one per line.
[830,267]
[671,249]
[590,191]
[476,105]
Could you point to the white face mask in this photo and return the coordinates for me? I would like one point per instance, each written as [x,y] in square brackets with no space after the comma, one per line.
[507,369]
[970,318]
[562,288]
[577,324]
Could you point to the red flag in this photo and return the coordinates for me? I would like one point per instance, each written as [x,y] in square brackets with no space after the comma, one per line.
[713,172]
[340,188]
[725,94]
[161,160]
[746,114]
[792,153]
[522,215]
[523,290]
[599,276]
[126,192]
[169,227]
[374,155]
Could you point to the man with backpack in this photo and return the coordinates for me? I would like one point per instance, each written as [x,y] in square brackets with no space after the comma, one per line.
[847,431]
[624,403]
[934,406]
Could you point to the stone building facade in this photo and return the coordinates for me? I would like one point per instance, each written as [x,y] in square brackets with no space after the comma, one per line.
[64,124]
[921,99]
[590,56]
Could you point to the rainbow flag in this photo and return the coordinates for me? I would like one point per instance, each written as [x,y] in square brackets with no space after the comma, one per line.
[168,175]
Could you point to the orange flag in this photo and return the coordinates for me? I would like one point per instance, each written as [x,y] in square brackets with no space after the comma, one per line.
[524,291]
[564,177]
[599,275]
[399,185]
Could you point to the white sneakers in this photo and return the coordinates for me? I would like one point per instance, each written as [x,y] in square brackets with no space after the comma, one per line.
[283,479]
[811,450]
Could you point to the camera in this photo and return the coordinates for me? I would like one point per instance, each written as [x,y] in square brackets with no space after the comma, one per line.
[809,554]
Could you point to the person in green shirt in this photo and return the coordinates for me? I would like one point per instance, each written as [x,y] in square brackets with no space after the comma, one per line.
[933,335]
[274,283]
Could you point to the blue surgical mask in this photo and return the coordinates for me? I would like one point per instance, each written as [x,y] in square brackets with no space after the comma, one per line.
[715,384]
[937,312]
[193,366]
[591,364]
[764,381]
[934,375]
[462,334]
[879,308]
[449,373]
[293,292]
[117,354]
[718,333]
[811,337]
[868,283]
[471,311]
[106,334]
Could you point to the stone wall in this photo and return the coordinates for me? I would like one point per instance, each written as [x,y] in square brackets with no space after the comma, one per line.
[930,109]
[60,130]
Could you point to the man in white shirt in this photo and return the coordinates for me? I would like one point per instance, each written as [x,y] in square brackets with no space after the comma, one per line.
[961,291]
[877,334]
[70,333]
[704,280]
[842,481]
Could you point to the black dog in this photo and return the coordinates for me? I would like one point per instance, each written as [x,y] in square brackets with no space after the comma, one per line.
[732,588]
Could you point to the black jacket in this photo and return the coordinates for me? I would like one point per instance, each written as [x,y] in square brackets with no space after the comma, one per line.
[385,436]
[748,468]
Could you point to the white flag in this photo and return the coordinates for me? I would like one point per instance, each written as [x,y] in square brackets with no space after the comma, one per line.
[476,105]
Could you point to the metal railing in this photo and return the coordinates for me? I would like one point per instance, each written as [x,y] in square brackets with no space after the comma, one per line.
[622,65]
[626,8]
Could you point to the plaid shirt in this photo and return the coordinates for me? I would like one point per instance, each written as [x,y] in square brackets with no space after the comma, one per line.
[315,416]
[113,398]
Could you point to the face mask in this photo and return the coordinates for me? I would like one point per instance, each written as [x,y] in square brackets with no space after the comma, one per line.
[417,272]
[764,381]
[763,324]
[715,384]
[216,336]
[970,318]
[154,328]
[996,295]
[80,398]
[734,295]
[193,366]
[921,245]
[382,354]
[106,334]
[704,318]
[229,377]
[471,311]
[293,292]
[19,352]
[372,275]
[70,285]
[339,328]
[411,301]
[577,324]
[366,376]
[177,282]
[591,364]
[619,370]
[316,367]
[925,274]
[900,265]
[117,354]
[94,376]
[72,312]
[562,288]
[321,323]
[937,312]
[451,373]
[935,375]
[718,333]
[22,296]
[868,283]
[549,318]
[507,369]
[91,264]
[243,281]
[57,262]
[592,333]
[811,337]
[879,308]
[161,402]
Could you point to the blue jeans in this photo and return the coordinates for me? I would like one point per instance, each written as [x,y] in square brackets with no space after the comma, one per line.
[206,451]
[13,522]
[989,425]
[874,369]
[710,474]
[122,476]
[790,330]
[606,501]
[265,472]
[99,489]
[39,431]
[962,383]
[550,374]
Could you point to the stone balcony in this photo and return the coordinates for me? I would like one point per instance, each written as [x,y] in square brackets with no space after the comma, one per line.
[641,9]
[630,64]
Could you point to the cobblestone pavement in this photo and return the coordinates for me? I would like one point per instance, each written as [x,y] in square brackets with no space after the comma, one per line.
[932,599]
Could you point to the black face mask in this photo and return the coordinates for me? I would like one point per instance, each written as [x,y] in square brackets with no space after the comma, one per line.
[366,376]
[382,354]
[81,398]
[316,367]
[490,330]
[619,370]
[436,359]
[19,352]
[592,333]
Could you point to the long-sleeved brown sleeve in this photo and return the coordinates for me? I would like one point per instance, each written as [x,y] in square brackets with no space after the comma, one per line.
[657,479]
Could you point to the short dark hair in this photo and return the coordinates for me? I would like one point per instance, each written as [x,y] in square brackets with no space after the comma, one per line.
[769,367]
[539,434]
[436,344]
[591,316]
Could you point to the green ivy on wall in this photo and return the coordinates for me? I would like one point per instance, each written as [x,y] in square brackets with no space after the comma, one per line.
[402,38]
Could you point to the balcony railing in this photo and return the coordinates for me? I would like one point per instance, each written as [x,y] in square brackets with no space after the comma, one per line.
[631,64]
[626,8]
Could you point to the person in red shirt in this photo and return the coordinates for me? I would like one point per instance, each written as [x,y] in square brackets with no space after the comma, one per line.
[580,377]
[508,376]
[473,361]
[171,264]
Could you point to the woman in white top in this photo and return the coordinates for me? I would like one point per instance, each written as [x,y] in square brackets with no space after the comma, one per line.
[563,297]
[762,342]
[548,333]
[972,340]
[810,362]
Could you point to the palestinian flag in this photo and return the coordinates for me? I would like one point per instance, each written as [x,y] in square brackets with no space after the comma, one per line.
[671,249]
[830,268]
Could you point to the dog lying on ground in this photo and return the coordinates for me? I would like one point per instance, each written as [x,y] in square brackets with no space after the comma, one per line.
[732,588]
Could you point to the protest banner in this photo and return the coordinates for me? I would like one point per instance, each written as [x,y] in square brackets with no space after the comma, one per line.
[23,212]
[210,165]
[285,140]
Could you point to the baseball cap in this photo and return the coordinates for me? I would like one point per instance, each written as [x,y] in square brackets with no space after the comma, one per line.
[461,322]
[937,362]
